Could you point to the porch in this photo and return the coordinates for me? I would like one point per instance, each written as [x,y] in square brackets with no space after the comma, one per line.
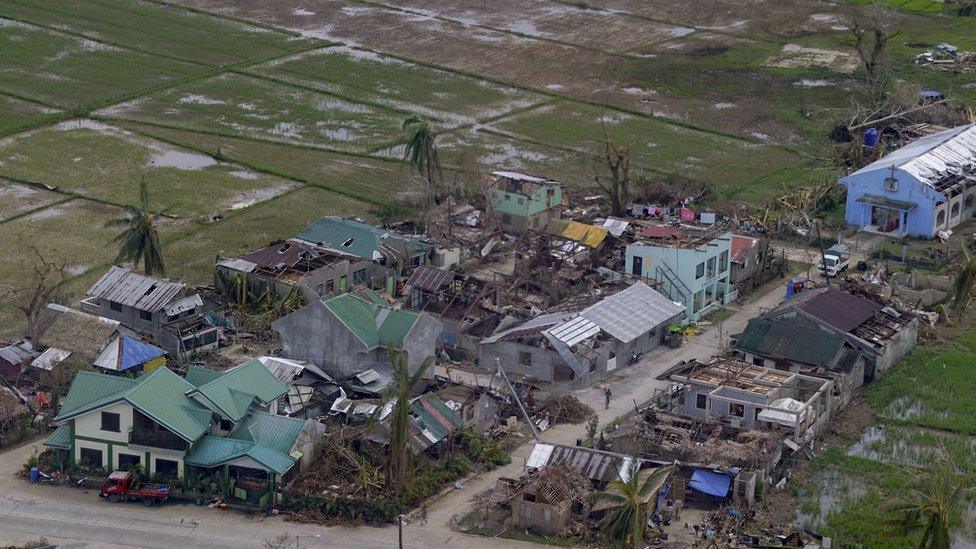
[885,216]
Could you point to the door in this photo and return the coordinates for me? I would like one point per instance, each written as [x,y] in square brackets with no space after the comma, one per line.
[637,267]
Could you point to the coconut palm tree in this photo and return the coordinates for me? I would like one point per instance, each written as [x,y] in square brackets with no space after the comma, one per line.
[139,240]
[629,503]
[964,284]
[931,510]
[398,394]
[420,150]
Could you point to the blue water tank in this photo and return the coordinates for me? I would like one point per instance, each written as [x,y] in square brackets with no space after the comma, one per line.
[34,475]
[871,138]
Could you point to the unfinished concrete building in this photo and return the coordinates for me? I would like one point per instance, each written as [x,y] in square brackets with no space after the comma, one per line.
[733,392]
[284,265]
[521,202]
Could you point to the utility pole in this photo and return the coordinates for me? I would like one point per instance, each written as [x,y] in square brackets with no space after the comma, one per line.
[501,372]
[400,529]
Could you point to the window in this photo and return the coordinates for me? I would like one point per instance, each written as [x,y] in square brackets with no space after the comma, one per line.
[955,211]
[758,361]
[359,277]
[508,197]
[506,219]
[968,202]
[327,287]
[91,458]
[700,270]
[110,422]
[167,468]
[940,218]
[521,200]
[723,261]
[415,261]
[145,315]
[343,284]
[701,401]
[128,461]
[226,425]
[696,303]
[711,267]
[114,306]
[637,267]
[891,184]
[737,409]
[525,359]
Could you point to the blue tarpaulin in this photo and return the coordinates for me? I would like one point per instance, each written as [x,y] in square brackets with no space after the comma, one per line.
[710,482]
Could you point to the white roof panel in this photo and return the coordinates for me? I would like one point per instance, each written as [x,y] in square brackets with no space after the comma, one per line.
[929,158]
[540,455]
[633,312]
[574,330]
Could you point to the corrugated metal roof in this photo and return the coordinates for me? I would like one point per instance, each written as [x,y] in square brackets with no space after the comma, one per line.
[211,451]
[360,239]
[276,432]
[428,278]
[197,375]
[633,312]
[372,320]
[594,464]
[89,388]
[523,177]
[185,304]
[615,226]
[49,358]
[841,310]
[60,438]
[741,246]
[790,340]
[930,158]
[573,331]
[145,293]
[534,325]
[234,391]
[241,265]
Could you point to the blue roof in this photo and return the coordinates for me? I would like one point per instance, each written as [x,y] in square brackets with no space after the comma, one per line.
[710,482]
[135,352]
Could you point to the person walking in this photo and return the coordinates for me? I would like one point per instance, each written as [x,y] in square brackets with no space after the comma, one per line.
[607,397]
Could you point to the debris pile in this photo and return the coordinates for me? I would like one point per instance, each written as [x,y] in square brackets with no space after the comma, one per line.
[565,409]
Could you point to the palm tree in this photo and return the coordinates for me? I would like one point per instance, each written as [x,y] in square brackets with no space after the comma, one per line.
[399,394]
[965,283]
[139,240]
[420,149]
[629,503]
[931,510]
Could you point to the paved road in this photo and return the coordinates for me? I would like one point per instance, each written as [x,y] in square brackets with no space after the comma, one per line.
[77,518]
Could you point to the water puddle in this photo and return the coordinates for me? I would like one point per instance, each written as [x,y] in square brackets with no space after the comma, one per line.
[303,12]
[679,32]
[83,124]
[197,99]
[722,106]
[181,160]
[524,27]
[833,490]
[75,270]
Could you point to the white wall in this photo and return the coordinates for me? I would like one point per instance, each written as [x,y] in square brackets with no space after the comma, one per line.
[90,424]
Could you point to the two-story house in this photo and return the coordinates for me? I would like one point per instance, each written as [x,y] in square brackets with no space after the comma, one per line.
[691,266]
[209,423]
[166,312]
[918,190]
[521,202]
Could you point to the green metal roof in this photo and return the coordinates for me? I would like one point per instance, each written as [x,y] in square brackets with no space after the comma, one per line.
[276,432]
[211,451]
[90,390]
[161,395]
[60,438]
[234,391]
[433,415]
[198,375]
[361,239]
[792,341]
[371,318]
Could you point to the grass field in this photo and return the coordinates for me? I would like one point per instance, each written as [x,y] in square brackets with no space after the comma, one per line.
[924,409]
[272,114]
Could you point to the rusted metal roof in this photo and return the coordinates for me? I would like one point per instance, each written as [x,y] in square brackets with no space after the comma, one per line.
[428,278]
[661,231]
[741,245]
[130,289]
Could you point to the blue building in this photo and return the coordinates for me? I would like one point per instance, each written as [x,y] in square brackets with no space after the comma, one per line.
[690,266]
[918,190]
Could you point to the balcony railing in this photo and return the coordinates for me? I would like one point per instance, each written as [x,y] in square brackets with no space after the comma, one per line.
[156,439]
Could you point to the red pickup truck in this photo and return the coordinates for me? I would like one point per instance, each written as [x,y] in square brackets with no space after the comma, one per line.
[121,486]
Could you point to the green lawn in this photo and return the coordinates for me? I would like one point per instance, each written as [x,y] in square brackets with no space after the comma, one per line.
[157,28]
[733,168]
[363,178]
[17,114]
[16,199]
[60,69]
[104,163]
[448,97]
[238,105]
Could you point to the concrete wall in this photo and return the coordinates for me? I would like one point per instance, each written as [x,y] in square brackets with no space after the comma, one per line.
[90,424]
[898,347]
[920,221]
[421,341]
[542,360]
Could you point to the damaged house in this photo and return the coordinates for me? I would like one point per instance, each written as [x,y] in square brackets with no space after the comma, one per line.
[352,237]
[282,266]
[925,187]
[350,333]
[581,347]
[431,421]
[465,306]
[691,266]
[879,333]
[522,202]
[62,332]
[728,390]
[166,312]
